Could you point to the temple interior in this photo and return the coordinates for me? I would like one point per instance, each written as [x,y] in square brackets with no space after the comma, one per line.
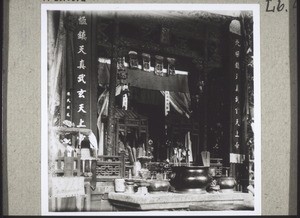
[154,105]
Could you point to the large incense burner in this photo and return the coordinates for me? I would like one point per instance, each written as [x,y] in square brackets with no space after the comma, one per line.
[193,179]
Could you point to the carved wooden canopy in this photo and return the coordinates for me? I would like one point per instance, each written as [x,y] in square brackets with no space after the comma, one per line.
[185,35]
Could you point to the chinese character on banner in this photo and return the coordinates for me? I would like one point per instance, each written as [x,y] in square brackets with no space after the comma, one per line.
[237,134]
[237,54]
[236,87]
[80,78]
[237,122]
[82,20]
[82,35]
[81,121]
[81,108]
[237,65]
[81,93]
[237,145]
[236,99]
[81,50]
[81,65]
[236,76]
[237,43]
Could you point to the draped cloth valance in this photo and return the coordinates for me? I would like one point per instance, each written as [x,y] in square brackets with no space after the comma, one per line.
[147,80]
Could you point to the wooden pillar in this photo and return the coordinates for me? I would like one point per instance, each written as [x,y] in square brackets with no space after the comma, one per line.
[205,114]
[70,69]
[205,91]
[94,75]
[109,150]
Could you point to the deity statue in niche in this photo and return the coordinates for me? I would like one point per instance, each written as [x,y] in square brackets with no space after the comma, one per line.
[133,60]
[146,62]
[171,66]
[159,66]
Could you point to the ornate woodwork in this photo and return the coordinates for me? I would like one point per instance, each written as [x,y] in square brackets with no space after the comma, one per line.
[110,167]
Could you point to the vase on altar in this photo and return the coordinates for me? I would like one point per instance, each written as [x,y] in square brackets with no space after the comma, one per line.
[136,168]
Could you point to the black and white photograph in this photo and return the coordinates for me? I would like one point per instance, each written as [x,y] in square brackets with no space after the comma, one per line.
[150,109]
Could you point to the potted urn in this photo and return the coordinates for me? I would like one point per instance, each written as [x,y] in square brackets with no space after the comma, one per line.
[190,179]
[227,183]
[159,185]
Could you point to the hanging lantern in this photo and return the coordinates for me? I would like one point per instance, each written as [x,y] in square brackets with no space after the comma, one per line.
[159,65]
[146,62]
[171,66]
[133,60]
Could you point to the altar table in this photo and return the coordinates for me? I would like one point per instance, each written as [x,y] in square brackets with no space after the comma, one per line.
[177,201]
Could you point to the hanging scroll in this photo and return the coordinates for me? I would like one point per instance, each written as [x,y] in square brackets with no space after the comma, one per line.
[82,70]
[235,69]
[125,91]
[167,102]
[68,106]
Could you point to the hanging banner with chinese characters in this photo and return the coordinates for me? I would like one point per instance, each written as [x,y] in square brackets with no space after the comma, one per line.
[235,71]
[167,102]
[82,71]
[68,105]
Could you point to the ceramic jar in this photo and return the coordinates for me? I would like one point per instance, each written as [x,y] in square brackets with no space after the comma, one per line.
[136,168]
[227,183]
[159,185]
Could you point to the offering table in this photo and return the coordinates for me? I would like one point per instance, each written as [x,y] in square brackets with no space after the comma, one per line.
[181,201]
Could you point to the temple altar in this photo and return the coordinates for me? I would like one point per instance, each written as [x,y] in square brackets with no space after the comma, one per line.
[173,201]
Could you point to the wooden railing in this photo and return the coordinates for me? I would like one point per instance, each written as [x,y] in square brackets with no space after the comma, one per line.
[68,165]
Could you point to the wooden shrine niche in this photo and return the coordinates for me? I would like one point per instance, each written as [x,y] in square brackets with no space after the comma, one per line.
[178,126]
[130,127]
